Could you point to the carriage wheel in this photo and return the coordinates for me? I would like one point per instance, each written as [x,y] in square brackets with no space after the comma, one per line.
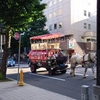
[63,71]
[51,72]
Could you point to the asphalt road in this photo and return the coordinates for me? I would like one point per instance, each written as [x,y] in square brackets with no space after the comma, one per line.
[64,84]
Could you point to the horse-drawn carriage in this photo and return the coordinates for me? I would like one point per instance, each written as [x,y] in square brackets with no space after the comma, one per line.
[46,54]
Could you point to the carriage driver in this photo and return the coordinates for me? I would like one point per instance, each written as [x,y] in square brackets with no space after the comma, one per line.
[53,59]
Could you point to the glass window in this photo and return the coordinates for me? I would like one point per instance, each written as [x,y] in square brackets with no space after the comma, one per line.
[50,27]
[89,26]
[55,14]
[85,25]
[60,11]
[46,16]
[50,3]
[60,0]
[89,14]
[60,25]
[55,1]
[91,40]
[84,12]
[88,40]
[50,15]
[55,26]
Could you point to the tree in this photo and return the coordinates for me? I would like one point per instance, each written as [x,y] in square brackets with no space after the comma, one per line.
[35,28]
[15,15]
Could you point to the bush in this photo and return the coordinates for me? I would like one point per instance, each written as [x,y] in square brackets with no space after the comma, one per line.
[1,76]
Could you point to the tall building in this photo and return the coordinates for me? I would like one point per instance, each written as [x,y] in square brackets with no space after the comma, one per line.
[76,18]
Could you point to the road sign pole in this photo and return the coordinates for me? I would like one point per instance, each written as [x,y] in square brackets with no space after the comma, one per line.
[19,58]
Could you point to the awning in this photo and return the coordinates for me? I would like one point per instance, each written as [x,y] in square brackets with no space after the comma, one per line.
[46,36]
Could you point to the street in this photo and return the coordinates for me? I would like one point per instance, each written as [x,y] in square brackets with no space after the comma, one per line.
[64,84]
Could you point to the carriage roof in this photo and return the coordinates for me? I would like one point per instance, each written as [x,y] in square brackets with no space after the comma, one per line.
[46,36]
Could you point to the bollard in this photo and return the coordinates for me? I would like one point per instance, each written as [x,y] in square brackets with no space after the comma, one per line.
[96,92]
[21,83]
[85,92]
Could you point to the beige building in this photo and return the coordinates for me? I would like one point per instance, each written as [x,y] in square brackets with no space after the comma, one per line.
[75,18]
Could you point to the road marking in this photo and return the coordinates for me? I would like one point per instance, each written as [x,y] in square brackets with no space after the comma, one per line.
[77,74]
[48,77]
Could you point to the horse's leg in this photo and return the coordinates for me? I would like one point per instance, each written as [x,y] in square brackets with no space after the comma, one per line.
[93,72]
[74,71]
[85,72]
[71,72]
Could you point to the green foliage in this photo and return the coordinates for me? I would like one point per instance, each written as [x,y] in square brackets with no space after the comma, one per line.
[1,77]
[16,14]
[35,28]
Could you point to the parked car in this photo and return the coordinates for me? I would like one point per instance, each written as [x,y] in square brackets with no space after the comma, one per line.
[11,62]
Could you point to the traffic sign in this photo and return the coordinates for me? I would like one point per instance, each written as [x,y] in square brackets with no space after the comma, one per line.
[71,44]
[16,35]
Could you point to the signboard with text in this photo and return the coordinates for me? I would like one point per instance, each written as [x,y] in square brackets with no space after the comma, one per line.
[71,44]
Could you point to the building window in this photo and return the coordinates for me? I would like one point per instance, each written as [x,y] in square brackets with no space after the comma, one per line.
[89,14]
[89,26]
[50,15]
[85,25]
[91,40]
[60,25]
[46,16]
[84,12]
[50,27]
[55,14]
[60,11]
[55,26]
[50,3]
[55,1]
[60,0]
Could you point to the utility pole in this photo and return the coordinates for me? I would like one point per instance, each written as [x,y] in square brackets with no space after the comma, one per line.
[96,88]
[98,43]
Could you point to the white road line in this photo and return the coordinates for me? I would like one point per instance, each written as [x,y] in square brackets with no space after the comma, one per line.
[48,77]
[77,74]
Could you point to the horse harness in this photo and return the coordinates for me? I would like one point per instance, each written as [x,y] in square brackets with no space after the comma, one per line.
[89,59]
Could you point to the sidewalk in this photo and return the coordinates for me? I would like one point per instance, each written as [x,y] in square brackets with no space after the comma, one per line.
[11,91]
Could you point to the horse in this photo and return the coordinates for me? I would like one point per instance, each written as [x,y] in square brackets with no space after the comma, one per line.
[86,61]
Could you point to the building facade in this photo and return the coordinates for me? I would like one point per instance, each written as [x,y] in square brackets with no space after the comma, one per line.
[73,17]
